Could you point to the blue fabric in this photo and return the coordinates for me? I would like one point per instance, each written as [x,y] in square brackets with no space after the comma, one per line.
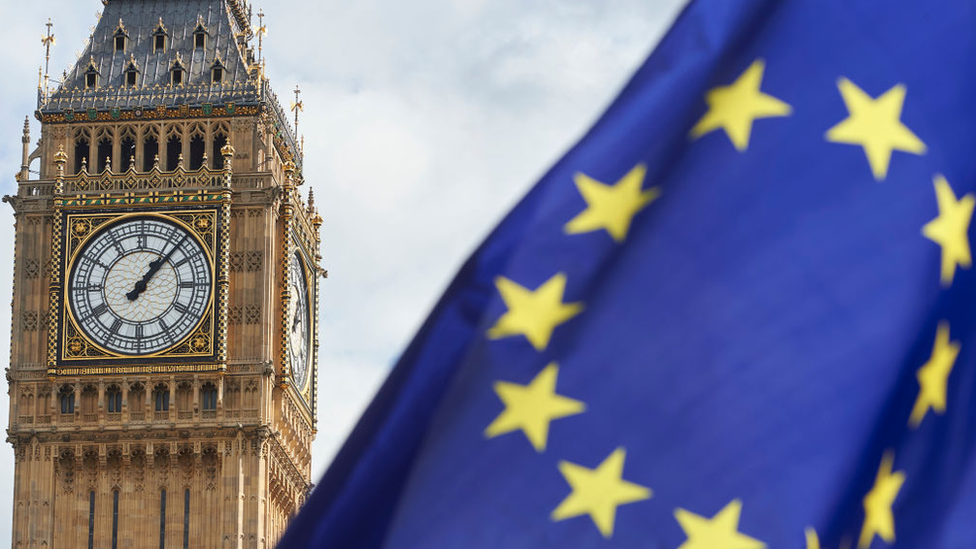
[757,335]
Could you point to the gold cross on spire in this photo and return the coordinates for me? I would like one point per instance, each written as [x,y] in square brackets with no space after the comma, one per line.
[297,105]
[47,41]
[261,32]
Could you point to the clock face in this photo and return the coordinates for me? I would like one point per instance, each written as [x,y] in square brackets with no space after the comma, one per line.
[299,343]
[140,286]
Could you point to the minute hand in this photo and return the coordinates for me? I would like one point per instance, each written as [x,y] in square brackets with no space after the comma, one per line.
[153,267]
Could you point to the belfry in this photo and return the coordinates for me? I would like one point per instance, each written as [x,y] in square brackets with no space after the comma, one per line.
[163,353]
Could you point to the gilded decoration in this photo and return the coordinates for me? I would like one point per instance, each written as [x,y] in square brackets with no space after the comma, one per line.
[200,343]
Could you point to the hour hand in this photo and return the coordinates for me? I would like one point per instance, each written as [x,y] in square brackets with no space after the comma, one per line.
[144,283]
[294,321]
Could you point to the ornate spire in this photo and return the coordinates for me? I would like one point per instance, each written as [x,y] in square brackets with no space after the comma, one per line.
[47,41]
[297,106]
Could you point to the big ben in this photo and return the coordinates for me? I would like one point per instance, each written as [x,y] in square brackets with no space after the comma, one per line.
[167,266]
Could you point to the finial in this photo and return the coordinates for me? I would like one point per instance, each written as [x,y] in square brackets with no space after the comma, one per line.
[262,30]
[179,162]
[108,164]
[311,200]
[156,162]
[60,158]
[297,105]
[48,41]
[27,126]
[132,163]
[84,164]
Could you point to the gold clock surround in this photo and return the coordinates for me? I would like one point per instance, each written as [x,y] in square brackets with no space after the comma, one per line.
[311,289]
[76,348]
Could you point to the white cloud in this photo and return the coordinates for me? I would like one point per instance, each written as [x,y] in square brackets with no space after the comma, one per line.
[424,121]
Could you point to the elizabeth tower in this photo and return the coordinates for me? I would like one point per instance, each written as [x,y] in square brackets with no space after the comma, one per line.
[163,350]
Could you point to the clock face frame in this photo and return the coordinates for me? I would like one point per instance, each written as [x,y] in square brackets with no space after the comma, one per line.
[139,287]
[299,328]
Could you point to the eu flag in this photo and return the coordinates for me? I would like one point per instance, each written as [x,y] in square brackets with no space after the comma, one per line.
[738,314]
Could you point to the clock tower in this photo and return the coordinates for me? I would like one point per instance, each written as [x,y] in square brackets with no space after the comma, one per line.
[163,350]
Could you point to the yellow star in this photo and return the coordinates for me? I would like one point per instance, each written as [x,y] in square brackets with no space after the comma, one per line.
[611,207]
[735,107]
[878,518]
[951,228]
[534,314]
[933,376]
[598,492]
[532,407]
[720,531]
[875,125]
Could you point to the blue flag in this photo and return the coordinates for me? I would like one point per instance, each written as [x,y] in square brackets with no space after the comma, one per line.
[738,314]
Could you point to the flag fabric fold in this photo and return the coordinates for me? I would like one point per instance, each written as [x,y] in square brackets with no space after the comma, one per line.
[737,314]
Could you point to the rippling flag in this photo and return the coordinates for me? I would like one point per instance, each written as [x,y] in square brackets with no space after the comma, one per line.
[738,314]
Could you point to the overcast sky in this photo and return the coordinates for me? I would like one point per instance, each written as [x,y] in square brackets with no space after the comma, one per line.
[424,122]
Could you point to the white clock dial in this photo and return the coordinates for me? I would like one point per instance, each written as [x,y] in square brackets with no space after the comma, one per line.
[299,333]
[140,286]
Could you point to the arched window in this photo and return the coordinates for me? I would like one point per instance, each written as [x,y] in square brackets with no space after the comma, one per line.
[162,519]
[198,148]
[159,37]
[174,148]
[81,152]
[131,73]
[91,520]
[208,393]
[114,397]
[177,72]
[104,154]
[217,71]
[219,141]
[120,37]
[91,75]
[66,396]
[200,34]
[161,398]
[115,519]
[128,153]
[186,518]
[150,150]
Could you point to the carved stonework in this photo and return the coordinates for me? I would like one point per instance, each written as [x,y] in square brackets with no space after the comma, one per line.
[65,472]
[137,465]
[32,267]
[90,465]
[222,165]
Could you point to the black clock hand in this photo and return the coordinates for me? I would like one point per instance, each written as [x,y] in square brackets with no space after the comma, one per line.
[153,267]
[294,322]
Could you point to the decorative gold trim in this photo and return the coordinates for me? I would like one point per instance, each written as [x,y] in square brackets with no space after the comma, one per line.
[145,369]
[158,113]
[55,289]
[287,216]
[76,345]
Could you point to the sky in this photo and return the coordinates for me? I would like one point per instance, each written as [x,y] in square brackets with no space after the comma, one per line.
[424,122]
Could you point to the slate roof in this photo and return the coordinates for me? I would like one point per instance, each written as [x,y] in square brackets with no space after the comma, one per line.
[223,20]
[140,18]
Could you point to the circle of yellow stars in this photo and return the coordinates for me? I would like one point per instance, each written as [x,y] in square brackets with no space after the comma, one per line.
[875,125]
